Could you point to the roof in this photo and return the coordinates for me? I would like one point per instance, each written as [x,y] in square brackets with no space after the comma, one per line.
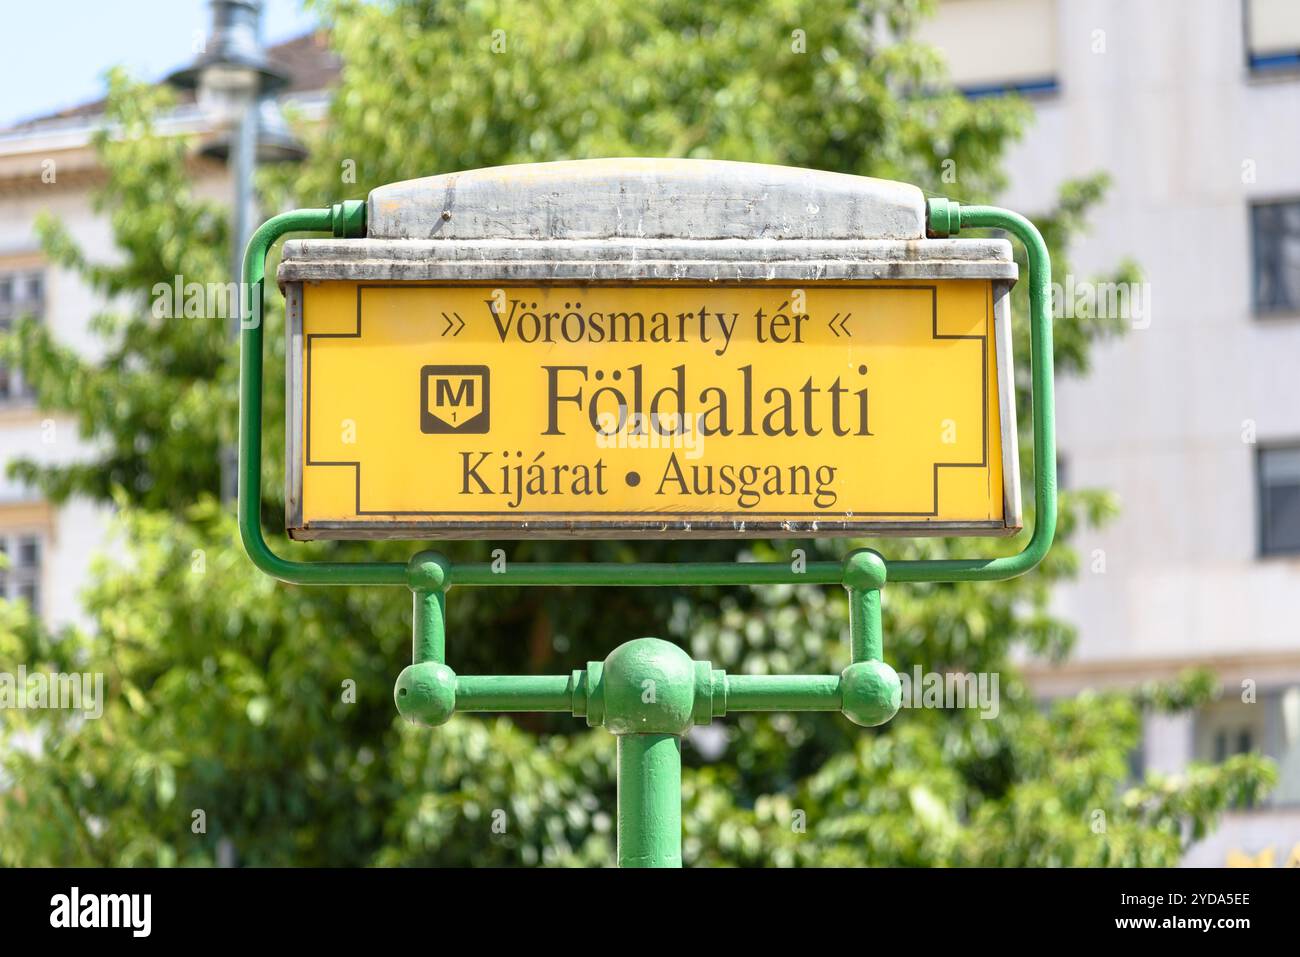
[307,59]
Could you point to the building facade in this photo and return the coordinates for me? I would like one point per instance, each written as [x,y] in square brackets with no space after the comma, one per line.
[1192,417]
[48,166]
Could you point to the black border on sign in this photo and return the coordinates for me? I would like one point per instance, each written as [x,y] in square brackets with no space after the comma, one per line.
[537,520]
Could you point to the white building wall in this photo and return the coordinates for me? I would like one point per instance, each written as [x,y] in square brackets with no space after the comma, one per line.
[74,534]
[1167,743]
[1158,95]
[1170,112]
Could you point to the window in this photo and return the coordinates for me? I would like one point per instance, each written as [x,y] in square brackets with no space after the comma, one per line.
[22,292]
[995,46]
[1229,727]
[1275,239]
[1272,35]
[20,572]
[1279,500]
[1227,743]
[1268,725]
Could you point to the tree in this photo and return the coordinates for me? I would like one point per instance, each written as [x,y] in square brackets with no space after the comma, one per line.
[268,708]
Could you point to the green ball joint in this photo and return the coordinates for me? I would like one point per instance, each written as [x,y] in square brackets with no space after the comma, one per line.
[425,693]
[864,570]
[427,571]
[647,686]
[870,693]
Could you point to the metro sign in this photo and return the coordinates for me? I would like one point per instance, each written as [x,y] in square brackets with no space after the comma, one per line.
[624,405]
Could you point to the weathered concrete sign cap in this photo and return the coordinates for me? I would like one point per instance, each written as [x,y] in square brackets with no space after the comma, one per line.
[627,219]
[646,199]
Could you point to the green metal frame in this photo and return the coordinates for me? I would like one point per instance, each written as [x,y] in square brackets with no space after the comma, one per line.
[649,692]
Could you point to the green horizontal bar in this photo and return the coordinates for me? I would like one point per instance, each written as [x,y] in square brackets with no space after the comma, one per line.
[514,693]
[647,573]
[783,693]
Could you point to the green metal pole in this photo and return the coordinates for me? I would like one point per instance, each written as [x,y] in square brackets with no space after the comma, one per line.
[429,638]
[865,640]
[649,800]
[649,693]
[783,692]
[514,693]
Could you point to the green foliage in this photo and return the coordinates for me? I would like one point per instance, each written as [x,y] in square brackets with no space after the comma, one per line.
[269,707]
[440,87]
[162,391]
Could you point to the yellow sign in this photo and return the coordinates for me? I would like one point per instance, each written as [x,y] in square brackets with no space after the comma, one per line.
[675,410]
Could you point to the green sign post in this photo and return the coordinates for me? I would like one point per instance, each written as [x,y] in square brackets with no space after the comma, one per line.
[648,692]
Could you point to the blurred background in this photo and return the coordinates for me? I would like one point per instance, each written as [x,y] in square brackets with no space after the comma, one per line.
[1149,672]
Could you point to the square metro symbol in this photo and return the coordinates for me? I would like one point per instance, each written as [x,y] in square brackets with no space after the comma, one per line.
[454,399]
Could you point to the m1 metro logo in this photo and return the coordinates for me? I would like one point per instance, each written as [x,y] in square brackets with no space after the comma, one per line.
[454,399]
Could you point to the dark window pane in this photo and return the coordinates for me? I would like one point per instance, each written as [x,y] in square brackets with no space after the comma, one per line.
[1136,764]
[1282,518]
[1279,500]
[29,552]
[1276,234]
[19,293]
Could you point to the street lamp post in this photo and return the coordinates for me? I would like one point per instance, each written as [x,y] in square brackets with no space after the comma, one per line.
[234,85]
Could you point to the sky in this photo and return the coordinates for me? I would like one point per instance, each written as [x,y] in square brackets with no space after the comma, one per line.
[57,50]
